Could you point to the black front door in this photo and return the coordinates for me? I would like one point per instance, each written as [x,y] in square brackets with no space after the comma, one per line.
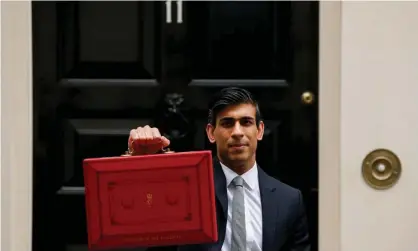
[102,68]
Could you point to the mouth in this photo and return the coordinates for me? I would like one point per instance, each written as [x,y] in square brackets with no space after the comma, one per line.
[237,146]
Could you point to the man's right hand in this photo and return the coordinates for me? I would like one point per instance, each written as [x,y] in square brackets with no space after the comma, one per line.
[146,140]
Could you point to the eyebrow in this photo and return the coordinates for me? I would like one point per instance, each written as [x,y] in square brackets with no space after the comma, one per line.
[231,118]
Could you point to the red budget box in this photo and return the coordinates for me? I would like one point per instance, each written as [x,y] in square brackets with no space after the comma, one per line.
[152,200]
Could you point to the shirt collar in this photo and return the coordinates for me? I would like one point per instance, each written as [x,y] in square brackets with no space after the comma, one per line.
[250,177]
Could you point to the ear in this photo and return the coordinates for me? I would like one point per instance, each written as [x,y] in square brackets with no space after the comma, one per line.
[260,131]
[209,133]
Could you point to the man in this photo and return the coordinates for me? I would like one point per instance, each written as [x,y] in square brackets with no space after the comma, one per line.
[254,211]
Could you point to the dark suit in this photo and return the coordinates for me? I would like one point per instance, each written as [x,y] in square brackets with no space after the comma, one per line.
[285,225]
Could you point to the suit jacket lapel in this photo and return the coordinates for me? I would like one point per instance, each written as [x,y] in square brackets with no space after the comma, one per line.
[269,208]
[220,186]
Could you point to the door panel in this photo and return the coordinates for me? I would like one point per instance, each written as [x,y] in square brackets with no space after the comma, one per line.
[97,74]
[114,66]
[243,45]
[109,43]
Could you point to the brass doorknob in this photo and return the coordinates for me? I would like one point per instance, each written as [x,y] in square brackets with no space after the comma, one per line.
[307,98]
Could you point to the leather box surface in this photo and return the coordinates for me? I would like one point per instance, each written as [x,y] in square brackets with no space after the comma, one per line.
[152,200]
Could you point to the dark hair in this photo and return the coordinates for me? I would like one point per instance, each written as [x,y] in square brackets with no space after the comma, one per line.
[231,96]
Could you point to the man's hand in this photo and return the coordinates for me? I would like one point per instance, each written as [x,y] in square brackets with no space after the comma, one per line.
[146,140]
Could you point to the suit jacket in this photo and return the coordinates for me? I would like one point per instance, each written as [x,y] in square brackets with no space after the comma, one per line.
[285,226]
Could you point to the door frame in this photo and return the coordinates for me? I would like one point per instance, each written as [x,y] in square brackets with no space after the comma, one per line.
[17,130]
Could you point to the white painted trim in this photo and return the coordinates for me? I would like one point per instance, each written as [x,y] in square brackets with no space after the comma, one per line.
[16,128]
[329,126]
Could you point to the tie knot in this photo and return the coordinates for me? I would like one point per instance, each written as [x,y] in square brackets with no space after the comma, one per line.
[238,181]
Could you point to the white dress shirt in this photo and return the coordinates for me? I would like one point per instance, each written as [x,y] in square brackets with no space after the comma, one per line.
[253,213]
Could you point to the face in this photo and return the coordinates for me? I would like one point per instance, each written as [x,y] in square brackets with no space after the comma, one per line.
[236,134]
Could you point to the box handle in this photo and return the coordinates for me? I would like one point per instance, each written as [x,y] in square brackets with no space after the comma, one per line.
[167,150]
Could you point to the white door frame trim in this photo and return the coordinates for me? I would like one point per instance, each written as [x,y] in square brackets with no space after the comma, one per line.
[16,126]
[329,125]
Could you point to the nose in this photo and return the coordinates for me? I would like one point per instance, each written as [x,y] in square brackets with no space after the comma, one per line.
[237,130]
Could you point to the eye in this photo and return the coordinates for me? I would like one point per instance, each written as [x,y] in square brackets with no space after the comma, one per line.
[247,122]
[227,123]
